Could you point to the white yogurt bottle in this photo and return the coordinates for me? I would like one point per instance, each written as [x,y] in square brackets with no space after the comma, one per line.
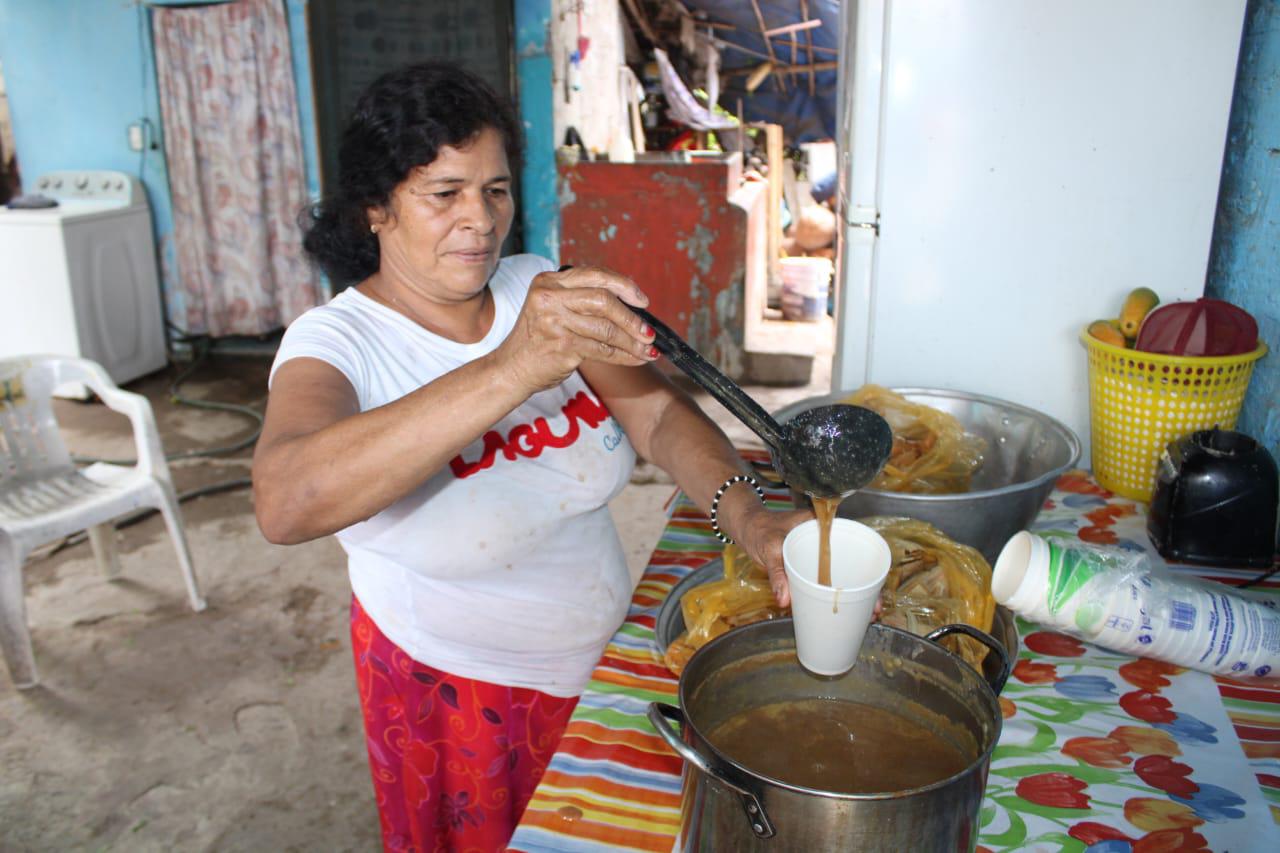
[1113,598]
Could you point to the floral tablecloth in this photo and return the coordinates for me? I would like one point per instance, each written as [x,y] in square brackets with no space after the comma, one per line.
[1100,752]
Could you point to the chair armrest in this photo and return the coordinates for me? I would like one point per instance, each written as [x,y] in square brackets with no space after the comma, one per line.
[146,436]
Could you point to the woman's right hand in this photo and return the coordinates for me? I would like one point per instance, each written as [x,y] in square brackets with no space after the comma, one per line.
[572,316]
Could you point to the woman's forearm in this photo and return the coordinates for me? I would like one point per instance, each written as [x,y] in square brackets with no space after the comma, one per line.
[666,427]
[309,484]
[693,449]
[669,429]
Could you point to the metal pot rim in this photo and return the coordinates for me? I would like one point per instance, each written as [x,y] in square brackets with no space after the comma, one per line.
[1072,441]
[744,772]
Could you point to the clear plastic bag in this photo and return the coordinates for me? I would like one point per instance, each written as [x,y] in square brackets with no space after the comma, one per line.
[932,454]
[1127,602]
[934,581]
[741,597]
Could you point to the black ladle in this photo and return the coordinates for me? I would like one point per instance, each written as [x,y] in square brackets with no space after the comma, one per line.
[825,452]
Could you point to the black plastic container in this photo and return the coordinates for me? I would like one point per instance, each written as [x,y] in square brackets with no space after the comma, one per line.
[1216,501]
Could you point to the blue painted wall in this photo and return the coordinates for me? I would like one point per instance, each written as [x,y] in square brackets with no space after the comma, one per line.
[301,51]
[77,75]
[540,211]
[1244,264]
[79,72]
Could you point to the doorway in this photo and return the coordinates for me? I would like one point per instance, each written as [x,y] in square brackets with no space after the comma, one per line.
[354,41]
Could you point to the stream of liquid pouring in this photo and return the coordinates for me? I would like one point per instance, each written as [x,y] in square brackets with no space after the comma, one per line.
[825,510]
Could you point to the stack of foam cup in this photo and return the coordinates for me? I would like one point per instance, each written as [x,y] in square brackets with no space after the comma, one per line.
[1113,599]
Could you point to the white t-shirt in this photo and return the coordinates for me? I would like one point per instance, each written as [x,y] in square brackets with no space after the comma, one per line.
[505,566]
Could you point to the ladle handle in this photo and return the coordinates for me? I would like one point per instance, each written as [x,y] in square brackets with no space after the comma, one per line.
[724,389]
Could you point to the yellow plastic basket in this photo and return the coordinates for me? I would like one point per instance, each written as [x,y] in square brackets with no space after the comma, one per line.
[1140,401]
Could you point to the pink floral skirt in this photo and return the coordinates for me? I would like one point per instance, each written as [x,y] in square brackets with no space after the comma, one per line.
[454,761]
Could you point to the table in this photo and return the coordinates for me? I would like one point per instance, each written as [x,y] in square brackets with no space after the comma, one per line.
[1099,751]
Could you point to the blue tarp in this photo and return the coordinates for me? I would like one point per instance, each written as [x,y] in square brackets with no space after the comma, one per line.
[804,117]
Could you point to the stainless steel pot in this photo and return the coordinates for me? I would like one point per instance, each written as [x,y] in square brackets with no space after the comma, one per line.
[726,806]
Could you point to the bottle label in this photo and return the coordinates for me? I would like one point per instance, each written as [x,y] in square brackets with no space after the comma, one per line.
[1069,570]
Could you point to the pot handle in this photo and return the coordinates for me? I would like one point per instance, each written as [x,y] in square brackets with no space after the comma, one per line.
[997,681]
[659,713]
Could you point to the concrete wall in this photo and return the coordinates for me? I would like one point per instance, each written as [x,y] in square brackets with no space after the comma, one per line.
[79,72]
[588,98]
[553,98]
[1244,264]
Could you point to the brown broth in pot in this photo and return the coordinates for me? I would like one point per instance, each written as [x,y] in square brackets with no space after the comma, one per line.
[837,746]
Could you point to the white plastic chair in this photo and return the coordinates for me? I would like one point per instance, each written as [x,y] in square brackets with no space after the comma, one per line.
[44,497]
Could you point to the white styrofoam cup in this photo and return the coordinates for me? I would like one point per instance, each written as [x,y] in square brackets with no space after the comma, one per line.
[830,621]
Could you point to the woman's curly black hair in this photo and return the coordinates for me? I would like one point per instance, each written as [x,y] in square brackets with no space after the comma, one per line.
[399,123]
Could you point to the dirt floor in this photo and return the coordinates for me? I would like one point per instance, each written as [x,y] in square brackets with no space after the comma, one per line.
[157,728]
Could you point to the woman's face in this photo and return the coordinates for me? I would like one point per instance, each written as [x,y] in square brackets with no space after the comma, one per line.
[445,223]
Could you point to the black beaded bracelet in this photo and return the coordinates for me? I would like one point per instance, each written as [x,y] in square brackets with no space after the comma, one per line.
[715,502]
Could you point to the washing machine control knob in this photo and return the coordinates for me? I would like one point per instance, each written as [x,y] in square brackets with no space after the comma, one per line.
[82,182]
[44,183]
[106,185]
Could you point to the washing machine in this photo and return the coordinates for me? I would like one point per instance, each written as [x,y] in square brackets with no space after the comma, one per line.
[79,278]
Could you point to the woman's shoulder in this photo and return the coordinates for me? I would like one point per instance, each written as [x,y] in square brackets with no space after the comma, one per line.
[347,310]
[335,328]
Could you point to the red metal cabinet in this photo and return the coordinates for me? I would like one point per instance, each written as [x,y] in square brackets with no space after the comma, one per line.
[678,229]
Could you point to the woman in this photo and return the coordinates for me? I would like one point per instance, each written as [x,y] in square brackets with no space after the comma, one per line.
[460,423]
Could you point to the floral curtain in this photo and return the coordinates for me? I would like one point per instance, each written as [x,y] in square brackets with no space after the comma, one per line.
[236,171]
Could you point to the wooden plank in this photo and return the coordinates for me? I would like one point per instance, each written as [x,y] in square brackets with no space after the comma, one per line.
[742,134]
[642,20]
[795,60]
[774,158]
[768,45]
[721,43]
[637,126]
[793,28]
[755,78]
[779,70]
[808,39]
[829,51]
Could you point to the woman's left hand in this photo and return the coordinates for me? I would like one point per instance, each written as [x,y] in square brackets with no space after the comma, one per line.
[762,533]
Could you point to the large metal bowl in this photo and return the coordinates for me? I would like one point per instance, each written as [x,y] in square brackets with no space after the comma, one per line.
[1026,453]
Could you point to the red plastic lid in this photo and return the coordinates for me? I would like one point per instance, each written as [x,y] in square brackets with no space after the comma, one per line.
[1206,327]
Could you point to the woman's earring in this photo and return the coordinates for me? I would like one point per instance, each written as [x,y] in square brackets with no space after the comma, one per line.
[373,229]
